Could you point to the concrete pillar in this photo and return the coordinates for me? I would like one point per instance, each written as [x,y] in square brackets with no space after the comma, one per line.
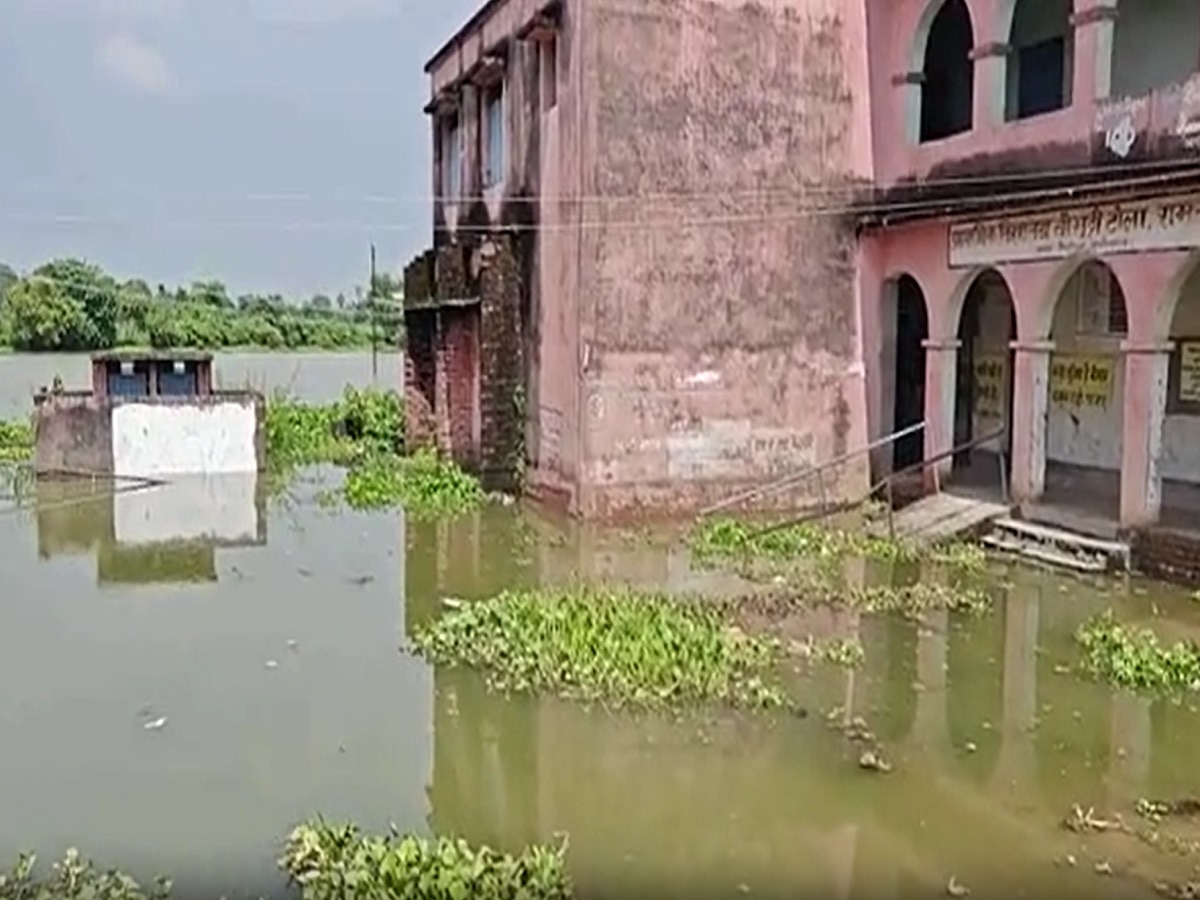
[1031,385]
[1093,24]
[941,360]
[1145,403]
[990,88]
[933,652]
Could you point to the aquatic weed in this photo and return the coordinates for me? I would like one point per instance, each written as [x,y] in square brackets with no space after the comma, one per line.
[613,645]
[425,484]
[362,423]
[16,441]
[1134,658]
[74,878]
[336,862]
[725,539]
[845,652]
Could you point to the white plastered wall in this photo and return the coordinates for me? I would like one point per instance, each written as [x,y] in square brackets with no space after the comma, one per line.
[152,440]
[995,324]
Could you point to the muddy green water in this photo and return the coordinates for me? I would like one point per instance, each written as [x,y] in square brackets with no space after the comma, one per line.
[265,632]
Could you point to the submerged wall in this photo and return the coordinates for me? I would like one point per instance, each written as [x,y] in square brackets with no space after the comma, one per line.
[150,437]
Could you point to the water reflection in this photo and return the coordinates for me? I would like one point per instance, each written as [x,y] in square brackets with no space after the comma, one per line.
[341,723]
[992,741]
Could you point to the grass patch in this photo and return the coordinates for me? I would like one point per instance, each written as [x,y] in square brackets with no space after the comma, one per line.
[1134,658]
[725,540]
[614,646]
[16,441]
[337,862]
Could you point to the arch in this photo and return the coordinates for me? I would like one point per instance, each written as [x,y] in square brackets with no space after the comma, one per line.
[986,317]
[1177,462]
[947,95]
[1039,67]
[907,324]
[1084,435]
[1168,303]
[1155,44]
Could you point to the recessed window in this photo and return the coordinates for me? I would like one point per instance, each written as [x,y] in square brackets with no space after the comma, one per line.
[451,153]
[948,83]
[1155,44]
[493,135]
[1041,59]
[549,73]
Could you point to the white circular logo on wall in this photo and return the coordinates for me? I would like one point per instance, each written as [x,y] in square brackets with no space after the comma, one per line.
[1120,138]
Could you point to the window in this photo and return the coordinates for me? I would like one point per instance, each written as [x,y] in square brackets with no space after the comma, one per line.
[948,85]
[1155,43]
[451,154]
[493,131]
[550,73]
[1099,302]
[1041,61]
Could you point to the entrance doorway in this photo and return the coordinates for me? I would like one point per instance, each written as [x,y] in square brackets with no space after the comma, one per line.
[912,330]
[984,380]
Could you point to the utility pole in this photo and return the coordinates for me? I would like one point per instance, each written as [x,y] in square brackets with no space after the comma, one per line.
[371,295]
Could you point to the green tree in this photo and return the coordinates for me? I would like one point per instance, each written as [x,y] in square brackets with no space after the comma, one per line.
[46,316]
[91,288]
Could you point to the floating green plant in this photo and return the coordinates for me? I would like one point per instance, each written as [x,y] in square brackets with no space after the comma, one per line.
[425,484]
[16,441]
[1135,658]
[615,646]
[363,423]
[74,878]
[337,862]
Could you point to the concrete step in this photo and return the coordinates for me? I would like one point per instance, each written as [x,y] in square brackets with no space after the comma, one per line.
[1046,555]
[1057,545]
[943,516]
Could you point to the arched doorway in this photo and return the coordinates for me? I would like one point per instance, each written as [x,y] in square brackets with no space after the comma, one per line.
[1041,62]
[912,330]
[1085,403]
[984,381]
[948,85]
[1179,450]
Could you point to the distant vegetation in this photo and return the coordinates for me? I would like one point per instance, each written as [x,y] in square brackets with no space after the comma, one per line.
[70,305]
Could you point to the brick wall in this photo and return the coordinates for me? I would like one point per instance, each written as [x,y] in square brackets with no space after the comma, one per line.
[459,326]
[420,364]
[1167,554]
[502,366]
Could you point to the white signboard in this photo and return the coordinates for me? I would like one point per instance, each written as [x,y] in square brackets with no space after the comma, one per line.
[1165,223]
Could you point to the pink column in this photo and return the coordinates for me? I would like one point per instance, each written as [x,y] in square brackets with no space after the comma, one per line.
[1145,408]
[1031,378]
[941,359]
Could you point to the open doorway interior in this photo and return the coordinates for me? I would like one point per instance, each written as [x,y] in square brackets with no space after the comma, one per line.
[912,330]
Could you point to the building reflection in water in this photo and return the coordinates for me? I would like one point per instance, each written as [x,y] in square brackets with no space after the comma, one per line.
[169,533]
[992,744]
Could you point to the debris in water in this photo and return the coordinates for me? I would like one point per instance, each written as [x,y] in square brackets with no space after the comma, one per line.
[360,580]
[156,724]
[873,762]
[1104,867]
[305,572]
[954,889]
[453,603]
[272,664]
[292,644]
[971,748]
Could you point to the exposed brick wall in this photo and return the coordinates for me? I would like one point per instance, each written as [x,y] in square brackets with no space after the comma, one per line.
[420,365]
[1168,554]
[502,365]
[460,327]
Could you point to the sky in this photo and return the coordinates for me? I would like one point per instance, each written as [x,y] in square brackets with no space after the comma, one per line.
[265,143]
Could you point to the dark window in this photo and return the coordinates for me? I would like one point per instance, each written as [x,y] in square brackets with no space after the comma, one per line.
[948,88]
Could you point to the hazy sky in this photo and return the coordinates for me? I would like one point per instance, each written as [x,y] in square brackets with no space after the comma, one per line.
[263,142]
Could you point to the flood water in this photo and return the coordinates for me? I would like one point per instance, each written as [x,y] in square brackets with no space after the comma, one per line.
[315,377]
[266,632]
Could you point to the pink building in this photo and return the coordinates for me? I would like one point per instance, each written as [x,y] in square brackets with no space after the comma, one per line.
[643,282]
[1034,262]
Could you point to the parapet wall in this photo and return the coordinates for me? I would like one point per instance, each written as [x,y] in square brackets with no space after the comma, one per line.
[150,437]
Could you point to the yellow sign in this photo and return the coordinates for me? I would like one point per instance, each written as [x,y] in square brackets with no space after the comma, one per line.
[1189,372]
[989,385]
[1081,381]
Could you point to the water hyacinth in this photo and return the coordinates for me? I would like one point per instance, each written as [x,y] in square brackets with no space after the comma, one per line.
[337,862]
[1134,658]
[615,646]
[74,878]
[425,484]
[16,441]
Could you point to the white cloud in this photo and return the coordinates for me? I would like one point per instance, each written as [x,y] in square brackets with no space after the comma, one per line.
[135,64]
[310,12]
[111,9]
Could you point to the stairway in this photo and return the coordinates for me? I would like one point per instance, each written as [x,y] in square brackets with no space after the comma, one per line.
[1057,546]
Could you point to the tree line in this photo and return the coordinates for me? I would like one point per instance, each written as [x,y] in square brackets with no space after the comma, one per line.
[71,305]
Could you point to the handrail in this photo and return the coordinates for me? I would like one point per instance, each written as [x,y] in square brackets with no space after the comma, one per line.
[789,481]
[823,511]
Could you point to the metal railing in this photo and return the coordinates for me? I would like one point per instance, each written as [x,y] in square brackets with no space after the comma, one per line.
[887,481]
[793,480]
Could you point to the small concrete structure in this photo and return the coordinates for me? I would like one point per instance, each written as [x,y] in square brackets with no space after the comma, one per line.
[149,414]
